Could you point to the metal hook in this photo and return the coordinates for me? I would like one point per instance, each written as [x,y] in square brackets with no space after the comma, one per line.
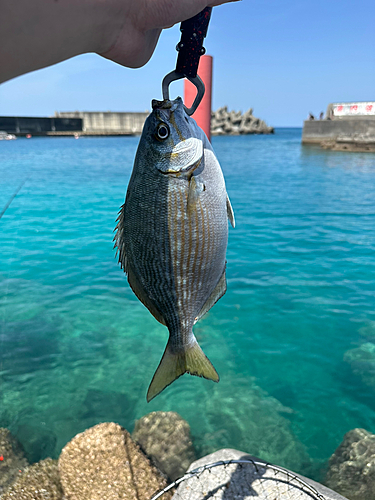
[196,81]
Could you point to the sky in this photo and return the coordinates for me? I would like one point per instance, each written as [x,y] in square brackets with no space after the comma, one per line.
[283,58]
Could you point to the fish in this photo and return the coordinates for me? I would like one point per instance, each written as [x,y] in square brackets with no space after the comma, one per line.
[172,233]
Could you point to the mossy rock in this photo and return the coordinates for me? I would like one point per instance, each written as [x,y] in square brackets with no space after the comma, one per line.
[13,460]
[40,481]
[104,463]
[351,470]
[362,362]
[165,437]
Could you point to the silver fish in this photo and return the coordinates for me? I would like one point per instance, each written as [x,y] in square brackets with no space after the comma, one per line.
[172,235]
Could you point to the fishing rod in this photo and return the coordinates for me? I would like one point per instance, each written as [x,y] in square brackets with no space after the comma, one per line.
[12,198]
[190,49]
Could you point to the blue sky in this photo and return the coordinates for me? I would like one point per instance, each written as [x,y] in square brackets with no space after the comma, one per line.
[283,58]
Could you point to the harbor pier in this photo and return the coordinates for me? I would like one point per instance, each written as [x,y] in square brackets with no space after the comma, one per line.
[107,122]
[76,123]
[345,127]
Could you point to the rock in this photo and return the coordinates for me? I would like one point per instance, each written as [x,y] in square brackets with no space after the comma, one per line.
[165,438]
[224,122]
[104,463]
[40,481]
[243,481]
[351,469]
[362,362]
[13,459]
[97,404]
[368,331]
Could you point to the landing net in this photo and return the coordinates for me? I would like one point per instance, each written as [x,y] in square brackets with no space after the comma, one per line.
[240,480]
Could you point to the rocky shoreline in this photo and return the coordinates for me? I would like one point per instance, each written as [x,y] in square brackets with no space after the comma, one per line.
[224,122]
[105,462]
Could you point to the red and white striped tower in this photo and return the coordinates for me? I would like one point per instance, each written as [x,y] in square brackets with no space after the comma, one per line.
[203,113]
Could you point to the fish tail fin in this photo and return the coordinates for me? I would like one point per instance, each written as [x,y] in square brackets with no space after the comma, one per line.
[172,365]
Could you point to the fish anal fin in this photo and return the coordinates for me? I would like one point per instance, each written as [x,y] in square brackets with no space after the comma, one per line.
[142,296]
[172,365]
[230,213]
[217,293]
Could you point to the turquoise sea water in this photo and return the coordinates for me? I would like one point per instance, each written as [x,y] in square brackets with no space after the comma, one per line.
[292,339]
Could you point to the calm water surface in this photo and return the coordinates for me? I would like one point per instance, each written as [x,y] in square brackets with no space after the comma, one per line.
[293,339]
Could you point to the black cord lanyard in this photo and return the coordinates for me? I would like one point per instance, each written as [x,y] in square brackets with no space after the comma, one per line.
[190,49]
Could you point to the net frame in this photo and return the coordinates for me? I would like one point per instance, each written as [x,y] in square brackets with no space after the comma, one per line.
[292,478]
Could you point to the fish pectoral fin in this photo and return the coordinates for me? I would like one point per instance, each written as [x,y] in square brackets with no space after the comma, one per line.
[196,187]
[172,365]
[217,293]
[230,213]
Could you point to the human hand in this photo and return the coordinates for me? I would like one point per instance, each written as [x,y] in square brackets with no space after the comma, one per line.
[35,34]
[134,42]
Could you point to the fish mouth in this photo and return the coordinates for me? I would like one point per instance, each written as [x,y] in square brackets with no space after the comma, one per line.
[166,104]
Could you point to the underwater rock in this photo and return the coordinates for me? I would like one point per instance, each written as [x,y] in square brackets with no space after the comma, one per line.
[224,122]
[104,463]
[40,481]
[362,362]
[253,420]
[165,437]
[351,469]
[368,331]
[242,481]
[38,337]
[39,443]
[107,405]
[13,459]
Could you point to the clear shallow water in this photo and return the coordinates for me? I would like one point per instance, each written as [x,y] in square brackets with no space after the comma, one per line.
[291,339]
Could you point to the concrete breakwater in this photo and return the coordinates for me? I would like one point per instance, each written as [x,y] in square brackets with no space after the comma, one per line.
[107,123]
[345,127]
[224,122]
[24,125]
[76,123]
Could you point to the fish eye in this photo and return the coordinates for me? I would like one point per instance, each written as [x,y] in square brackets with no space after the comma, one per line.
[162,131]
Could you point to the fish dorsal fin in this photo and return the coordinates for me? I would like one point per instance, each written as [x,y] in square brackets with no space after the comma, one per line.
[230,213]
[218,292]
[134,283]
[119,239]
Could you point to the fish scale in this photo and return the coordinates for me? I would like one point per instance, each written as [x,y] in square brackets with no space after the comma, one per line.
[172,235]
